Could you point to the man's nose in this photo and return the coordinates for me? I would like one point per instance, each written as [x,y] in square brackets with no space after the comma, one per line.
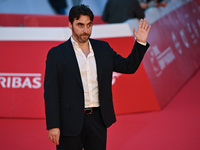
[85,29]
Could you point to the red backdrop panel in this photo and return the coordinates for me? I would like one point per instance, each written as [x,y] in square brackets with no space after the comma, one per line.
[174,53]
[21,94]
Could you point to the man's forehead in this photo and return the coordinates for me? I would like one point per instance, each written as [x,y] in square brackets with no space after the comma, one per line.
[83,18]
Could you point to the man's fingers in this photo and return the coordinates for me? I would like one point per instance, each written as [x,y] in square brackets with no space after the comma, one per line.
[134,30]
[54,139]
[57,140]
[140,24]
[148,29]
[51,137]
[57,137]
[146,25]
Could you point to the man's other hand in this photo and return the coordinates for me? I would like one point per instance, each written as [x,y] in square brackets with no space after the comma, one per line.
[54,135]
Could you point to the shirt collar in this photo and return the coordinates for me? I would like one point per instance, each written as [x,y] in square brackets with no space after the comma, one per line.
[74,42]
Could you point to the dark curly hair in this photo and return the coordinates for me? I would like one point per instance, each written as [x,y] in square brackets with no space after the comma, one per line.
[78,10]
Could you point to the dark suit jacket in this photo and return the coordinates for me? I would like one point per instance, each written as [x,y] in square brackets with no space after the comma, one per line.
[63,89]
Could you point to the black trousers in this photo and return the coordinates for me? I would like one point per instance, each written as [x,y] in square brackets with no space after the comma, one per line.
[92,137]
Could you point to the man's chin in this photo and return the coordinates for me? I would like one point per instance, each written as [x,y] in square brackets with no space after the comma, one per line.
[84,39]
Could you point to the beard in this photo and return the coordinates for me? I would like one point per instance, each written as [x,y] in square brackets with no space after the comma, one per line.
[82,38]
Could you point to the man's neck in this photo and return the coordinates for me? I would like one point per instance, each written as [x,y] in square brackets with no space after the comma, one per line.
[83,46]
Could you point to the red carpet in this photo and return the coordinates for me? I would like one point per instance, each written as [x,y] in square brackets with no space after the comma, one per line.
[176,127]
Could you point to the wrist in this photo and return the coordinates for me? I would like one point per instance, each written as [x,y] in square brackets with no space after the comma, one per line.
[142,43]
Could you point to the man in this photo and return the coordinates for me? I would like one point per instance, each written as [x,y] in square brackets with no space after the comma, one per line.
[78,82]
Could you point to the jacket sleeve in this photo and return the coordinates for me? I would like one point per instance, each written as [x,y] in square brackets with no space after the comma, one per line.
[51,91]
[130,64]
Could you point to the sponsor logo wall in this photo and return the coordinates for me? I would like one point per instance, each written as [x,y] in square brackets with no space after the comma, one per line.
[175,51]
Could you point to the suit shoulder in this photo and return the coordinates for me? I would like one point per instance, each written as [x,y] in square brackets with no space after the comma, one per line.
[57,49]
[99,42]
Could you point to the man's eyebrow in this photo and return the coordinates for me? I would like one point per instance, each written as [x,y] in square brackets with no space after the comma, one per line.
[79,23]
[90,22]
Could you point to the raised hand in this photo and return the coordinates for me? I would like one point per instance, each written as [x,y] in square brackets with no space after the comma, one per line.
[143,30]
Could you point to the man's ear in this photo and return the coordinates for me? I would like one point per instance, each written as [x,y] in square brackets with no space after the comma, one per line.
[70,25]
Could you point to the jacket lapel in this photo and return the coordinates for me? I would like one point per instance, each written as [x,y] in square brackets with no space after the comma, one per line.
[70,56]
[98,57]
